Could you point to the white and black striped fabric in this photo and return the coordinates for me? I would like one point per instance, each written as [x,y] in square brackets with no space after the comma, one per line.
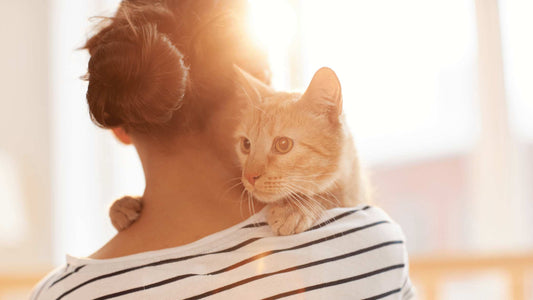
[352,253]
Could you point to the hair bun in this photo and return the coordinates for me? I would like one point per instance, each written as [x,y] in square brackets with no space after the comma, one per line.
[137,78]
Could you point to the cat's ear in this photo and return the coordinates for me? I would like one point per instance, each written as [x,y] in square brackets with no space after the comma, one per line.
[324,94]
[252,87]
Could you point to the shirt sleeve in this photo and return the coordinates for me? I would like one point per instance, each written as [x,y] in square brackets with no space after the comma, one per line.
[40,289]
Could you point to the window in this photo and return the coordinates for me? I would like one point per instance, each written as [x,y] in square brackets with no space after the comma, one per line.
[424,122]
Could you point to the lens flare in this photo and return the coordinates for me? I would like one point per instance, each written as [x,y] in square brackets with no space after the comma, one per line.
[273,25]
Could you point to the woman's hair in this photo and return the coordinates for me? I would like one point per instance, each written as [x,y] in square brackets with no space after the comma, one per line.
[168,63]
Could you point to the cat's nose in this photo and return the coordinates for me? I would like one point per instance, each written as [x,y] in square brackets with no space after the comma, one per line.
[252,178]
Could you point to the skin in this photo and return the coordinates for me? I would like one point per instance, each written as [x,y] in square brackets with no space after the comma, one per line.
[180,207]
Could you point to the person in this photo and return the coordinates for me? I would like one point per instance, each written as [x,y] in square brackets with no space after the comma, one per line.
[161,77]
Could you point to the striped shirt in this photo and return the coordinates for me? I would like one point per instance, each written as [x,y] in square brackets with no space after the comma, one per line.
[351,253]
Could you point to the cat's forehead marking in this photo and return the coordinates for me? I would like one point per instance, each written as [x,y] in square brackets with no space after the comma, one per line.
[272,115]
[272,108]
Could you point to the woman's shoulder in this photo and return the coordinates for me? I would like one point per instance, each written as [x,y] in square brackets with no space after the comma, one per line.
[358,228]
[361,218]
[351,223]
[356,252]
[50,279]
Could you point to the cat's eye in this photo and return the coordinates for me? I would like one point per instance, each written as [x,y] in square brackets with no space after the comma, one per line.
[245,145]
[283,145]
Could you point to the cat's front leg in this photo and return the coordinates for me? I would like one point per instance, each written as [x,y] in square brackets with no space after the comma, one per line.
[285,219]
[124,211]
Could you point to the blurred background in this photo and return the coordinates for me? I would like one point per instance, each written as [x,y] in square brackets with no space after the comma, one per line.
[438,94]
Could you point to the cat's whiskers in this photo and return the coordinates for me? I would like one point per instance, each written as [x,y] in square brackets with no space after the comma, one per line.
[295,196]
[300,201]
[248,194]
[292,200]
[253,203]
[312,208]
[232,179]
[310,192]
[315,205]
[323,208]
[240,202]
[307,179]
[229,189]
[303,203]
[310,202]
[296,202]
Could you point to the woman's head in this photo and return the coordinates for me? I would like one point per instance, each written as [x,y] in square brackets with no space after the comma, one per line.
[163,68]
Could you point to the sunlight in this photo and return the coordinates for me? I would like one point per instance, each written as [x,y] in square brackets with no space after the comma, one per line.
[403,83]
[273,25]
[272,22]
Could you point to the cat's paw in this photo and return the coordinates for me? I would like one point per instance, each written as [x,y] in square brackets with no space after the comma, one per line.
[284,220]
[124,211]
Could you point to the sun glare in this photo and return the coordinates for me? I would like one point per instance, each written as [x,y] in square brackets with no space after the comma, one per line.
[273,25]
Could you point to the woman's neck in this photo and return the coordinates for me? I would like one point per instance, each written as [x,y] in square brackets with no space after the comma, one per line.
[188,195]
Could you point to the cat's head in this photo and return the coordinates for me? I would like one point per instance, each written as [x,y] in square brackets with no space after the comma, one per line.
[290,144]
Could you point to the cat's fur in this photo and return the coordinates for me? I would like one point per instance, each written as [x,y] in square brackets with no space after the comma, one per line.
[319,172]
[125,211]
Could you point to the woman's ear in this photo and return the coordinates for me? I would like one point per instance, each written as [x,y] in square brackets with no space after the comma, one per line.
[121,134]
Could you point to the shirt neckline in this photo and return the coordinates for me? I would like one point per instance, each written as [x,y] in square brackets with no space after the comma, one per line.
[256,218]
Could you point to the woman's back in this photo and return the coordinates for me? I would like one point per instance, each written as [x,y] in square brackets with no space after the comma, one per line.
[353,253]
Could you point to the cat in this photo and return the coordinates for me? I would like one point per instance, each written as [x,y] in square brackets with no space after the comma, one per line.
[296,154]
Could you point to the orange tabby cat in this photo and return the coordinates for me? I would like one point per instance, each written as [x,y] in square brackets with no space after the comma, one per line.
[296,154]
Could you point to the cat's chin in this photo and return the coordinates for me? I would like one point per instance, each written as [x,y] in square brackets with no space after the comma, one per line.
[267,198]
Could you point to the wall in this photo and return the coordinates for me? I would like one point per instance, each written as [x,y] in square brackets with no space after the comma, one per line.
[25,136]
